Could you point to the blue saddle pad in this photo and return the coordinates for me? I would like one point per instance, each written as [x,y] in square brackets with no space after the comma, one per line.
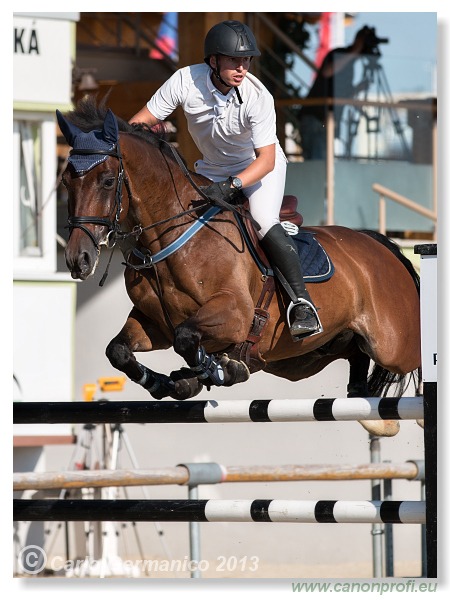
[316,263]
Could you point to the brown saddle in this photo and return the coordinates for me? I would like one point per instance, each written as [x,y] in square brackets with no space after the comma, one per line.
[289,211]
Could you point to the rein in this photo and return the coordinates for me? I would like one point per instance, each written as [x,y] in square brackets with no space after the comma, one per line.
[223,203]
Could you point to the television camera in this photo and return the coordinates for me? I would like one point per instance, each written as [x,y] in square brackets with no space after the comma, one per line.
[372,41]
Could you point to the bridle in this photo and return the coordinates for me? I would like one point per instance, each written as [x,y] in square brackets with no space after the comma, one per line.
[113,226]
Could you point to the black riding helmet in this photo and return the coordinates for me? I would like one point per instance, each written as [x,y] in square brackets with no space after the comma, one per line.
[230,38]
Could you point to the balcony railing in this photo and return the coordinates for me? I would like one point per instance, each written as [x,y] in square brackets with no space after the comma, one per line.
[406,202]
[331,156]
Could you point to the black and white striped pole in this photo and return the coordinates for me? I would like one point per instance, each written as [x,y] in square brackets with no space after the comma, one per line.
[223,511]
[219,411]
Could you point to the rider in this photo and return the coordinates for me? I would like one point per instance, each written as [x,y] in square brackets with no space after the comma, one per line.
[231,118]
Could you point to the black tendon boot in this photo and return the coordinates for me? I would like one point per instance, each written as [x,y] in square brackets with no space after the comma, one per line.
[281,251]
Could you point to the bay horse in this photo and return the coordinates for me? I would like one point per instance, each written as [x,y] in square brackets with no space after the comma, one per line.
[126,184]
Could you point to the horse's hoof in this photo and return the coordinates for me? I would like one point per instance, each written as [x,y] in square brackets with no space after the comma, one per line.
[161,393]
[162,386]
[387,428]
[186,384]
[185,389]
[235,371]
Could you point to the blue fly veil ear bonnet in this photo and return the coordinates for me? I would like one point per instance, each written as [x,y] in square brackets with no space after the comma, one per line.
[103,141]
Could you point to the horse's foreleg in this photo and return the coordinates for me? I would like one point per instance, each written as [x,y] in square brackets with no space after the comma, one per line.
[135,337]
[218,324]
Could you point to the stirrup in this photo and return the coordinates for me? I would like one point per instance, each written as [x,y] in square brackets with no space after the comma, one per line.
[292,306]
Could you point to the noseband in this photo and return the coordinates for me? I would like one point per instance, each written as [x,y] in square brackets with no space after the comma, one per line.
[113,226]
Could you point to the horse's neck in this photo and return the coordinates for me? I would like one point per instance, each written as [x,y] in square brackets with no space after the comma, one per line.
[161,196]
[154,183]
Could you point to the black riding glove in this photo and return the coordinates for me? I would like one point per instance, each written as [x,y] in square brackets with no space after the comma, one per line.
[222,191]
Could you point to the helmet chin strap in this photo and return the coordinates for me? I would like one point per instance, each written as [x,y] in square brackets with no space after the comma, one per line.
[216,72]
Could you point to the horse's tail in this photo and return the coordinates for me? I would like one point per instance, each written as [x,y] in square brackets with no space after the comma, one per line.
[380,380]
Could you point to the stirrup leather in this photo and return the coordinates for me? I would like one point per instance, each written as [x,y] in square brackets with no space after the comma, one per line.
[292,306]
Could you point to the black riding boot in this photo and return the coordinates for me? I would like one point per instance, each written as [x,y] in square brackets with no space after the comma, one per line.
[282,254]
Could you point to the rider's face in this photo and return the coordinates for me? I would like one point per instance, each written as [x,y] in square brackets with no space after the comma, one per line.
[233,69]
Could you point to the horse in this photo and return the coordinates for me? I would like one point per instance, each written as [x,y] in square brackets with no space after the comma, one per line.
[127,185]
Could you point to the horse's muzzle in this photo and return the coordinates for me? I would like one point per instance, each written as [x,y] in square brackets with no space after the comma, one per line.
[81,265]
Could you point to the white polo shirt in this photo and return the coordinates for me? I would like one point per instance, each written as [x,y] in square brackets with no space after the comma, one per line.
[225,131]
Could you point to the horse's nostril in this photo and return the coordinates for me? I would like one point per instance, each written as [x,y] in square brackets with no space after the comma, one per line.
[83,261]
[79,265]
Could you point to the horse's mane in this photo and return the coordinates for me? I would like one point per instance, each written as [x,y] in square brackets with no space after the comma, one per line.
[90,114]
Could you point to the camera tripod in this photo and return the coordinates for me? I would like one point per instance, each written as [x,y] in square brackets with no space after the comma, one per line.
[374,75]
[101,538]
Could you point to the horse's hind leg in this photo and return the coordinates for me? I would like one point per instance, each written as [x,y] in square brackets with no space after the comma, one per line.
[135,336]
[358,388]
[359,371]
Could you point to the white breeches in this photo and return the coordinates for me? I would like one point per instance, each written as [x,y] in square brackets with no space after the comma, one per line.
[265,197]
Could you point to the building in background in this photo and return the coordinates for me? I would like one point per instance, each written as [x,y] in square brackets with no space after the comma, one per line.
[44,300]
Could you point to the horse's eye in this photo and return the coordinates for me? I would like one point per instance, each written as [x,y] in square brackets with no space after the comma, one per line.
[109,183]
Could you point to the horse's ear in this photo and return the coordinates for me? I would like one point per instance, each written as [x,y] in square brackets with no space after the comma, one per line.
[110,128]
[69,130]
